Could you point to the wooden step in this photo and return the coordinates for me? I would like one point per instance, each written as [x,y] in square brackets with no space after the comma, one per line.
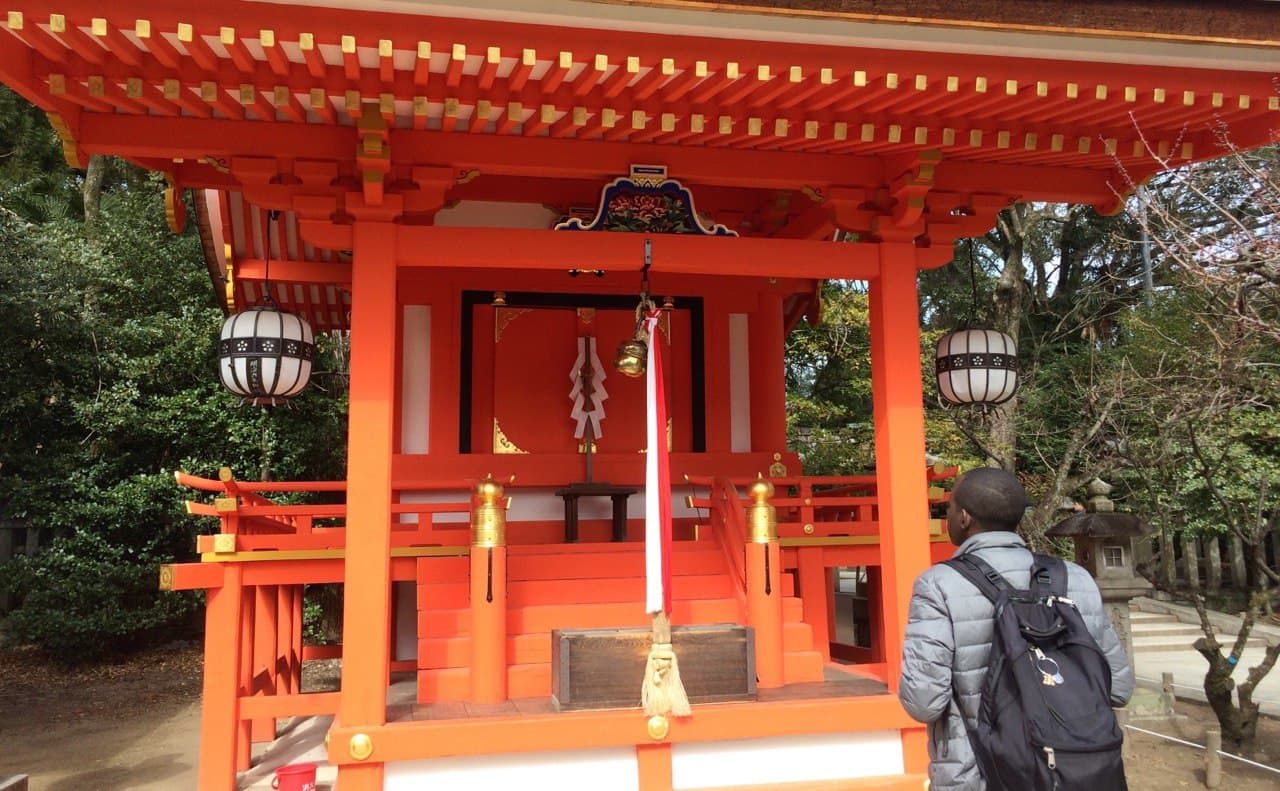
[453,683]
[577,561]
[590,547]
[799,667]
[545,617]
[792,608]
[797,637]
[443,652]
[532,680]
[595,565]
[576,591]
[444,569]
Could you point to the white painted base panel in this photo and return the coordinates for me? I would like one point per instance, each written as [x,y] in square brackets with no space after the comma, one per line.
[613,769]
[757,762]
[786,759]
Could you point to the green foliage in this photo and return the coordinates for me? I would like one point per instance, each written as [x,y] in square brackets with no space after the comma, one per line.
[1200,437]
[829,409]
[107,384]
[86,597]
[1170,391]
[829,386]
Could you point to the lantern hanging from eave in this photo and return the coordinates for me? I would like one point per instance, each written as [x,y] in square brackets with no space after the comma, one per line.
[977,367]
[265,354]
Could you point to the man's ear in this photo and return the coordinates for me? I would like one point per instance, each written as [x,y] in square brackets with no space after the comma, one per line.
[966,519]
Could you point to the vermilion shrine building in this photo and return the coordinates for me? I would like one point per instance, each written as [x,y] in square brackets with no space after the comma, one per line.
[400,168]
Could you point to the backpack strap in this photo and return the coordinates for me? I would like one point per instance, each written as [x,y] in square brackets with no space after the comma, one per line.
[1048,576]
[979,572]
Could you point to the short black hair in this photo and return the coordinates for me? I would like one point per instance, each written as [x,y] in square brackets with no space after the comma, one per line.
[992,497]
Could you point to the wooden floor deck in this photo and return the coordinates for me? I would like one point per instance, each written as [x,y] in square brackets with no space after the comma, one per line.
[839,682]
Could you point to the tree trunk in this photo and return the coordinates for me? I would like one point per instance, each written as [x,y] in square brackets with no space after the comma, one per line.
[1218,686]
[1248,723]
[1007,309]
[92,194]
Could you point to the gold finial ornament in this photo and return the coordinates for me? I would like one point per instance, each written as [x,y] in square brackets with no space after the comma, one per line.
[762,518]
[658,727]
[488,515]
[360,746]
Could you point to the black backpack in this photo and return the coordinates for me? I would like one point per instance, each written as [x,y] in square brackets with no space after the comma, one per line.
[1045,720]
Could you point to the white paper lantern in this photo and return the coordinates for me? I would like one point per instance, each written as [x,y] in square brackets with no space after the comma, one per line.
[265,355]
[977,367]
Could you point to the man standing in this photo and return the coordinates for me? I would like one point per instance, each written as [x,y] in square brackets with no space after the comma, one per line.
[947,647]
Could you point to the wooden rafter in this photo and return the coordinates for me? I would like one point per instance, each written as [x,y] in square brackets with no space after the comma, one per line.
[796,107]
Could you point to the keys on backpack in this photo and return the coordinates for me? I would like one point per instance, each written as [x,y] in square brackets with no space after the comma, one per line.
[1050,673]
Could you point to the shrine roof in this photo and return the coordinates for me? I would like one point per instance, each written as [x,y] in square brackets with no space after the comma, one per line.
[1250,21]
[258,66]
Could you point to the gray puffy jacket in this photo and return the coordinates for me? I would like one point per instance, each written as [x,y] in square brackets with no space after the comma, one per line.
[948,642]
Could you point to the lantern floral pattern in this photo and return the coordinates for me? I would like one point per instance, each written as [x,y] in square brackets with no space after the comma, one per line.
[265,355]
[977,367]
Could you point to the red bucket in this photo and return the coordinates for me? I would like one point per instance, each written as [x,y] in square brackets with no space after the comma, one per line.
[295,777]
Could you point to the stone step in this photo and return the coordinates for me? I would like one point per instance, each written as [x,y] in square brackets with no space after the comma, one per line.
[1163,629]
[1150,616]
[1175,643]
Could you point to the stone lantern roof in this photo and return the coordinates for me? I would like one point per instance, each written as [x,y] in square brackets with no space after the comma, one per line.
[1096,525]
[1100,519]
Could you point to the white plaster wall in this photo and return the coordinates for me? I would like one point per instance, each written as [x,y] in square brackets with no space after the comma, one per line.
[786,759]
[415,385]
[542,505]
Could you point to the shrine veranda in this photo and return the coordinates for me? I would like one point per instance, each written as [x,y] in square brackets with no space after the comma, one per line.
[470,190]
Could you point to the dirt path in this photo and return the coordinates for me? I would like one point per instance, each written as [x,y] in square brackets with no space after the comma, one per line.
[135,725]
[1154,764]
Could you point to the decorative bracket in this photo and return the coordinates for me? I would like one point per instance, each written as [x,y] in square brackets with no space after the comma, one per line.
[175,210]
[373,152]
[70,150]
[910,188]
[849,207]
[646,202]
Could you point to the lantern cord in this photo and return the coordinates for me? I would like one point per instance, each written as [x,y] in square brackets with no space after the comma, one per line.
[644,270]
[973,287]
[264,472]
[272,216]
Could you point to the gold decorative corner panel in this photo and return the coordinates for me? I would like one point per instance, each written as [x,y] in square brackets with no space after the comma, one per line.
[500,442]
[502,319]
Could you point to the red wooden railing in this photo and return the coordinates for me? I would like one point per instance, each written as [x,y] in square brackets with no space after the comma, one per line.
[816,514]
[728,524]
[833,505]
[297,544]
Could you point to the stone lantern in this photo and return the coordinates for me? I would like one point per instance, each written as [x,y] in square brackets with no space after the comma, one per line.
[1104,542]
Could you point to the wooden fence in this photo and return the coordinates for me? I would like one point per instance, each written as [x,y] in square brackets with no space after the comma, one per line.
[1209,563]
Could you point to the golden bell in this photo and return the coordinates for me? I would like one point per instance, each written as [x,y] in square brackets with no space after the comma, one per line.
[633,357]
